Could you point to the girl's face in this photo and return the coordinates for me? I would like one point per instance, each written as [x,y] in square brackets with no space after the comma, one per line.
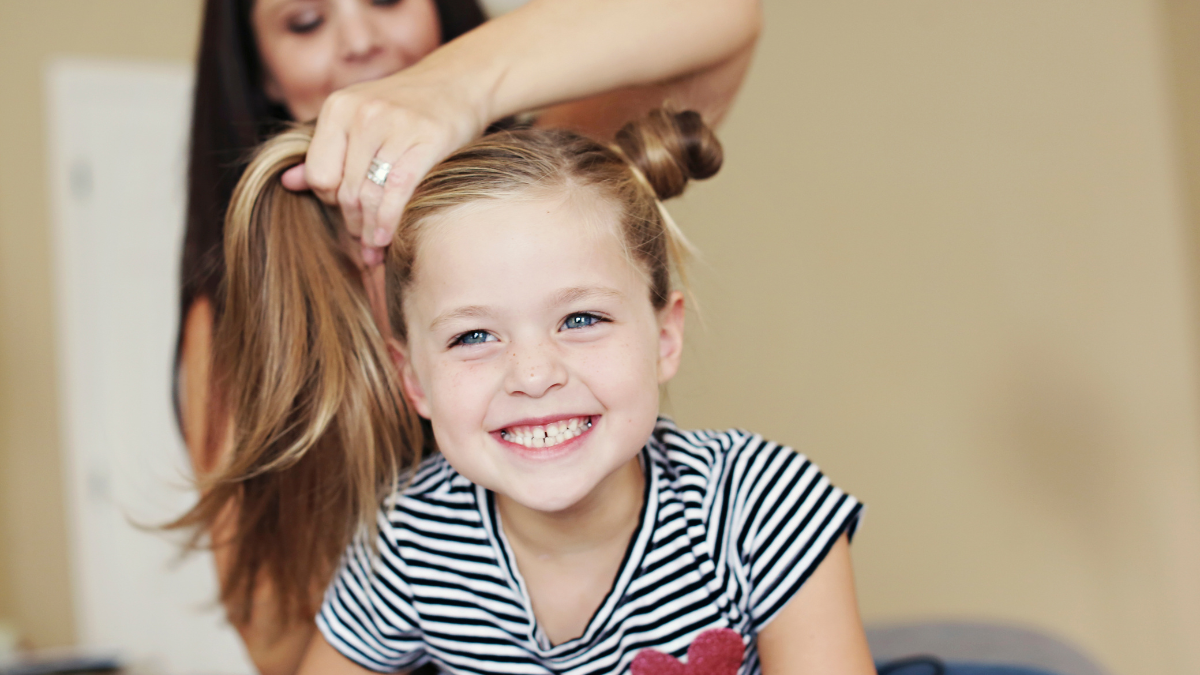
[533,347]
[311,48]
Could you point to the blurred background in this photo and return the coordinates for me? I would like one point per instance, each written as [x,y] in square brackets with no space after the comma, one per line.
[954,257]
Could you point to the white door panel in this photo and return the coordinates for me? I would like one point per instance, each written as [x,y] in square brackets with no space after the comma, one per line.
[118,134]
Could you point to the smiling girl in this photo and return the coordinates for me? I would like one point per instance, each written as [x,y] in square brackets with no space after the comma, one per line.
[562,526]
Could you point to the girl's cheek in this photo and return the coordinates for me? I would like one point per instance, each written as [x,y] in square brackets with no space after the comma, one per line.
[464,377]
[619,366]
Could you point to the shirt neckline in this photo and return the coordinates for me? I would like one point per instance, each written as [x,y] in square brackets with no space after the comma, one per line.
[630,563]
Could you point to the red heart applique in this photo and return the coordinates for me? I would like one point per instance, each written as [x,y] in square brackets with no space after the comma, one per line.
[717,651]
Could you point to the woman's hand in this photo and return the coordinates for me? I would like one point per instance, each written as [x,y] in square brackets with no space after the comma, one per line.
[589,65]
[410,121]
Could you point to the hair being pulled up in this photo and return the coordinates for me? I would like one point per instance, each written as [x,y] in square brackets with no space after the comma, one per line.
[319,429]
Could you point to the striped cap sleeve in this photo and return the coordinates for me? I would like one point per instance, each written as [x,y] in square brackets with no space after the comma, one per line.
[787,518]
[368,615]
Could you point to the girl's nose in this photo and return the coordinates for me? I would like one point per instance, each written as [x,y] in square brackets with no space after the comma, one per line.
[357,35]
[534,371]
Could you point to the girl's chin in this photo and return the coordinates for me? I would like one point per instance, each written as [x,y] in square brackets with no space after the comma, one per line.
[552,491]
[559,492]
[538,498]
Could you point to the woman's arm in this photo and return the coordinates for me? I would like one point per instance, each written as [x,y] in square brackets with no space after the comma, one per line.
[603,61]
[633,53]
[274,645]
[195,364]
[819,631]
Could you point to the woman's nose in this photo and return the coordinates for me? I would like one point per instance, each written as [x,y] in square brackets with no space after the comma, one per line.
[534,370]
[357,35]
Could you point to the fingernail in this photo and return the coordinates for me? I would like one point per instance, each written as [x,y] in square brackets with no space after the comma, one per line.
[372,256]
[382,237]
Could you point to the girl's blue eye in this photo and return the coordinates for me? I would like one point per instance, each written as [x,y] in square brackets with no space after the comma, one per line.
[474,337]
[581,320]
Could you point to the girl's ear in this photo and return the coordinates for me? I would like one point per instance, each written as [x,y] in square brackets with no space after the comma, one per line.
[408,378]
[670,337]
[396,351]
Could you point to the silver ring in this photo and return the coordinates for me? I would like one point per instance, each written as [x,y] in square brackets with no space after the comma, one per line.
[378,172]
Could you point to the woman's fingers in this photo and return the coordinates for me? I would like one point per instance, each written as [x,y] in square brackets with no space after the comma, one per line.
[383,205]
[327,152]
[357,193]
[294,179]
[371,256]
[401,184]
[402,121]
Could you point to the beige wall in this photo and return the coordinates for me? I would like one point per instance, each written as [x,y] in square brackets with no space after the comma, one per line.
[34,581]
[947,258]
[1181,20]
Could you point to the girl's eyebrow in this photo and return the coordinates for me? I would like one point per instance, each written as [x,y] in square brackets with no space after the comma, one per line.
[468,312]
[563,297]
[570,295]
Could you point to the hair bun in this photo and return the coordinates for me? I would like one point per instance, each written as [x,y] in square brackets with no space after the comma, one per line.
[670,149]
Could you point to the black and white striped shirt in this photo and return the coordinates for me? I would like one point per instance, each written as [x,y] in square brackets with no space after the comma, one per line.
[731,527]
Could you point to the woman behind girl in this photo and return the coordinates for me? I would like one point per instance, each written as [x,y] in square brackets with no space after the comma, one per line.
[562,525]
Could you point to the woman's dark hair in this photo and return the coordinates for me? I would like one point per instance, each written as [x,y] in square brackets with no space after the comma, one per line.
[231,115]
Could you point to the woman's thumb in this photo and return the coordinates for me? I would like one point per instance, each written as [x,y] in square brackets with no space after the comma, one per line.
[295,179]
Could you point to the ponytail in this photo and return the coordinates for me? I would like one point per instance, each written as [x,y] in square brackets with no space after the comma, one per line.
[311,402]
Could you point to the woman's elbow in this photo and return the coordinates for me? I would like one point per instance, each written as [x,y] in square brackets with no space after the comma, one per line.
[743,21]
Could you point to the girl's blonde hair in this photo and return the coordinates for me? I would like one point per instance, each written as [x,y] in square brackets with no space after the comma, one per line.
[309,398]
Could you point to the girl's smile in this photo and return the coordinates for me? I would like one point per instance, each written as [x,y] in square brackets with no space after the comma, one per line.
[534,349]
[545,435]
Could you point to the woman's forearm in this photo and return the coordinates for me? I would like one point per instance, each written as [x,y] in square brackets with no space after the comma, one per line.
[710,92]
[555,51]
[600,62]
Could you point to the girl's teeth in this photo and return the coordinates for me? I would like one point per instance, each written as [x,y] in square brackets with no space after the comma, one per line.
[549,435]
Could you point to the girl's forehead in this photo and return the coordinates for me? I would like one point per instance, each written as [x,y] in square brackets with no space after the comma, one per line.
[581,216]
[523,244]
[570,204]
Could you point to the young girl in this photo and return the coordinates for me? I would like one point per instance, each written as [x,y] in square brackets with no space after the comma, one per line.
[561,526]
